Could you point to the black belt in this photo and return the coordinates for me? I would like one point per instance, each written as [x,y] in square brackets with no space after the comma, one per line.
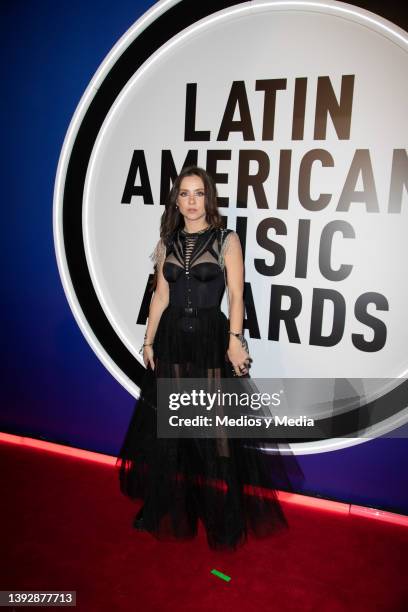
[189,311]
[192,311]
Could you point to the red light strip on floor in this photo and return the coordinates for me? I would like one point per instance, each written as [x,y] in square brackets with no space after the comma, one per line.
[60,449]
[290,498]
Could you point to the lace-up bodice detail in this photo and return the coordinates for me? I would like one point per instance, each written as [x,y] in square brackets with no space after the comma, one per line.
[189,244]
[193,269]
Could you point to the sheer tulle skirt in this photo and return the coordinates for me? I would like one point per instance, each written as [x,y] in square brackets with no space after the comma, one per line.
[227,484]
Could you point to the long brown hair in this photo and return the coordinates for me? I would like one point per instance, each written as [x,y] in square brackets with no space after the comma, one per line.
[172,220]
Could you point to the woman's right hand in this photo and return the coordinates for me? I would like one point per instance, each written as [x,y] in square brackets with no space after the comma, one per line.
[148,356]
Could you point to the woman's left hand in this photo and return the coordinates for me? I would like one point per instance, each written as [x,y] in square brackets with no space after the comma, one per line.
[238,357]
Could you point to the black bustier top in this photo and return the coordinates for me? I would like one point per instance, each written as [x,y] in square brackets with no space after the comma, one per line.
[192,269]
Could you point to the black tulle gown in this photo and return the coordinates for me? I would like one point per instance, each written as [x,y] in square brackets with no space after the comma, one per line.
[220,482]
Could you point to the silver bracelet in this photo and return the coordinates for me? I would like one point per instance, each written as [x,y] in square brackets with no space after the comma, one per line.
[143,345]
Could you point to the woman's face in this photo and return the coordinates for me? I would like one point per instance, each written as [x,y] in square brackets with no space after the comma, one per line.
[191,198]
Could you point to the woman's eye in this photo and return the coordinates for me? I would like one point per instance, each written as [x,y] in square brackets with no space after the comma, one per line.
[199,194]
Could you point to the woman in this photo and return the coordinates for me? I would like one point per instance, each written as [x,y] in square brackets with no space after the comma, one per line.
[215,480]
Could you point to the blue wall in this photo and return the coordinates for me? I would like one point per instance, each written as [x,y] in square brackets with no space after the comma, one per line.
[54,387]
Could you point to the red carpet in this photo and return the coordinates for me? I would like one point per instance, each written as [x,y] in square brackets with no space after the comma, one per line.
[65,526]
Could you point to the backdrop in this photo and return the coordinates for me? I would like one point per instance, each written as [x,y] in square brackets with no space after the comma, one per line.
[54,386]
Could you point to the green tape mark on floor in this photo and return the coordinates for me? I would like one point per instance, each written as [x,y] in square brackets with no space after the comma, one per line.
[221,575]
